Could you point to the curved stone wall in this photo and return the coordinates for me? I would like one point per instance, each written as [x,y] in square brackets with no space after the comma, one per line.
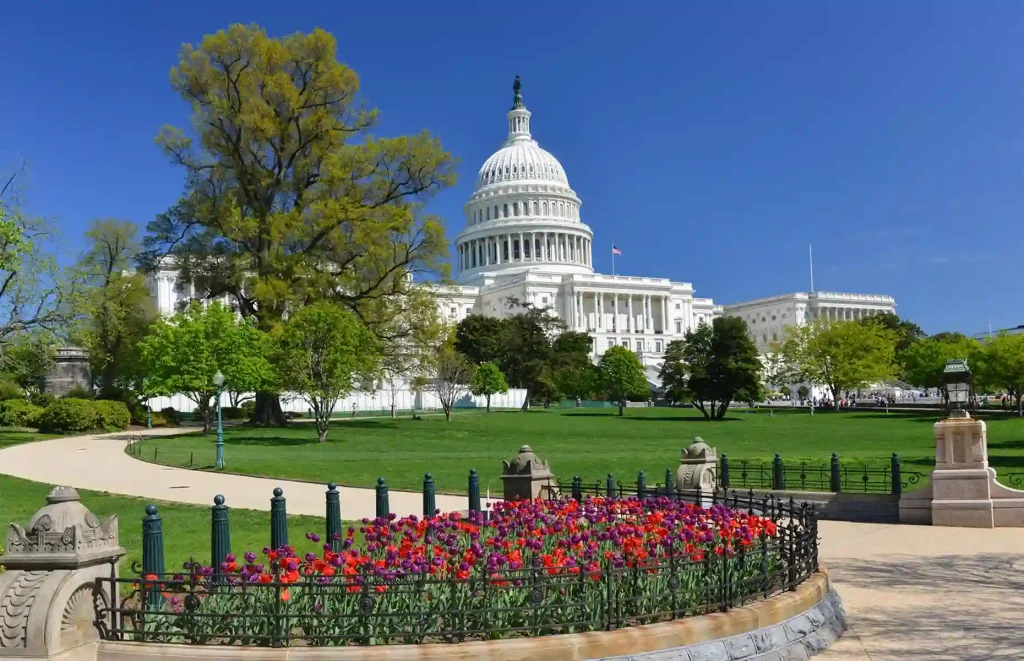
[792,626]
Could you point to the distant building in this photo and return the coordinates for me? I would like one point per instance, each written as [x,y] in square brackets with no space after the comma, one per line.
[1016,330]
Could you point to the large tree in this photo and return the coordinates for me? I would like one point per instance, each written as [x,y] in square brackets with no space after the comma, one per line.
[288,198]
[1002,366]
[35,293]
[183,353]
[450,378]
[906,334]
[116,304]
[323,352]
[923,361]
[712,366]
[840,355]
[622,376]
[479,339]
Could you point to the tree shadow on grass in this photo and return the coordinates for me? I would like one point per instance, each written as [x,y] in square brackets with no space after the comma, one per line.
[936,608]
[650,418]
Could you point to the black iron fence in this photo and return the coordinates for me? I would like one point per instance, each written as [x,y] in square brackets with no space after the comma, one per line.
[833,476]
[1014,480]
[331,602]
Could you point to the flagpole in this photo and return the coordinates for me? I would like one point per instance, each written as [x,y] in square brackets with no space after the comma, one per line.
[810,257]
[613,260]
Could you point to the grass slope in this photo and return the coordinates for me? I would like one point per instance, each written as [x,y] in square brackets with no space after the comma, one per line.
[585,442]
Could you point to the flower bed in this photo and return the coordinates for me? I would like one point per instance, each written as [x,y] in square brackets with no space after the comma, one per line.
[530,568]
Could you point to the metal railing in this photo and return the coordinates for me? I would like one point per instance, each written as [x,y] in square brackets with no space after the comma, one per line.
[365,606]
[832,477]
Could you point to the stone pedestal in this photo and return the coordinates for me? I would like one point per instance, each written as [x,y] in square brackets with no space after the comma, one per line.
[962,480]
[525,477]
[698,471]
[48,591]
[70,370]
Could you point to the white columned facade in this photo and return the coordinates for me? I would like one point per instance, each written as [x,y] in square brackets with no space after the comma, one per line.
[631,327]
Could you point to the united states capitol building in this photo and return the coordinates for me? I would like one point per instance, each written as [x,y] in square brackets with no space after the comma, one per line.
[525,240]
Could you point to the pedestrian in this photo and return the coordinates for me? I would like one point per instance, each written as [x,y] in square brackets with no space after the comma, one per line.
[353,409]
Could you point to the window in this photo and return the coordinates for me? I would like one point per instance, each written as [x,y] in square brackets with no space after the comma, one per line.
[625,342]
[611,342]
[679,326]
[773,317]
[488,213]
[455,311]
[544,300]
[639,345]
[678,305]
[505,211]
[534,207]
[515,212]
[657,346]
[764,337]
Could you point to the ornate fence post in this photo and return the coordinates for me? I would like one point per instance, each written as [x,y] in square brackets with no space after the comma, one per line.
[835,483]
[474,491]
[577,488]
[609,486]
[897,476]
[383,509]
[778,477]
[278,520]
[670,482]
[724,475]
[333,517]
[429,503]
[220,534]
[641,484]
[153,552]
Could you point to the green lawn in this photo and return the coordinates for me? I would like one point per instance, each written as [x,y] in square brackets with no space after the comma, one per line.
[186,527]
[15,436]
[586,442]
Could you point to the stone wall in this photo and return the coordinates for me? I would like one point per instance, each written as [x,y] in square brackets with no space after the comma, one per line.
[70,370]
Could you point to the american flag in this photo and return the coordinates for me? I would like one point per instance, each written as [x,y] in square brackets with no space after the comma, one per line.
[616,251]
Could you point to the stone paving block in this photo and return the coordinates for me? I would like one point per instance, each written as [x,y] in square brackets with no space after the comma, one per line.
[740,647]
[816,617]
[714,651]
[770,638]
[798,627]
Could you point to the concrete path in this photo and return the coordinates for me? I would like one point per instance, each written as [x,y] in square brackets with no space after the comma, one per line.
[99,463]
[911,592]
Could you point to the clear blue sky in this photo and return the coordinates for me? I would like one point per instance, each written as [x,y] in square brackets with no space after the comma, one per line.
[710,141]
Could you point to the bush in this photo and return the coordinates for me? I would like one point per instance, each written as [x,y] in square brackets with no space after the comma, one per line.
[112,414]
[248,408]
[42,399]
[159,420]
[171,416]
[19,413]
[78,392]
[232,413]
[70,415]
[10,390]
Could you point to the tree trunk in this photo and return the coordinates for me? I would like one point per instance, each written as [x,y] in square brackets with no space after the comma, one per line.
[206,420]
[447,414]
[526,401]
[488,403]
[322,425]
[267,411]
[621,407]
[393,413]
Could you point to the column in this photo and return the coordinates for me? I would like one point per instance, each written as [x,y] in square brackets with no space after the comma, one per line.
[615,312]
[664,315]
[522,249]
[570,303]
[631,326]
[598,310]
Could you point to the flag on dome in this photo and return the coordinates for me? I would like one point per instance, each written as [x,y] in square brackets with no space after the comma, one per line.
[616,251]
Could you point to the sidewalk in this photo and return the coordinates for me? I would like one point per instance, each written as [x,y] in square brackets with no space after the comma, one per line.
[99,463]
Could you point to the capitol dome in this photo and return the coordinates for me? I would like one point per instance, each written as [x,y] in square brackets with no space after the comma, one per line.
[523,213]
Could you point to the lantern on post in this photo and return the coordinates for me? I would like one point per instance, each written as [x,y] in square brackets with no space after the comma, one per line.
[957,378]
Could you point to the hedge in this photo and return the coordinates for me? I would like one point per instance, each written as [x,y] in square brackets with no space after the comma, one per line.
[79,415]
[19,413]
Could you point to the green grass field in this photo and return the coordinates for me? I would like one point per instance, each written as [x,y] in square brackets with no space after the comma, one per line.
[585,442]
[186,527]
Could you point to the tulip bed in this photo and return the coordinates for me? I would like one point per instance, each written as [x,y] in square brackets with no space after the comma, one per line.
[526,568]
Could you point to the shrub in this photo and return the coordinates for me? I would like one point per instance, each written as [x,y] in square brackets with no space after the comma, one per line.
[10,390]
[171,416]
[69,415]
[42,399]
[78,392]
[159,420]
[248,408]
[19,413]
[112,414]
[232,413]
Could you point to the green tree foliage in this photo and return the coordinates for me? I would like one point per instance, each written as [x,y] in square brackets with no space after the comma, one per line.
[1002,366]
[713,366]
[840,355]
[924,360]
[117,307]
[35,294]
[325,351]
[622,376]
[488,380]
[572,372]
[288,198]
[182,354]
[27,359]
[479,339]
[906,334]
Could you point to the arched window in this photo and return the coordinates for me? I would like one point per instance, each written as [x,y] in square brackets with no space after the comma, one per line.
[535,207]
[488,213]
[515,208]
[545,207]
[505,211]
[514,169]
[496,216]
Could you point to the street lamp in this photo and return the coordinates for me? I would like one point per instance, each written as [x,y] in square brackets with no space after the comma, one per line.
[218,380]
[957,378]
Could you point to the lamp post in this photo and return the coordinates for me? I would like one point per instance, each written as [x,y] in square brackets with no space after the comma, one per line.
[957,378]
[218,380]
[149,415]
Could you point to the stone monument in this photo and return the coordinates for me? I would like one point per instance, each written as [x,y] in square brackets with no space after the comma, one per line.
[48,592]
[698,471]
[525,477]
[70,370]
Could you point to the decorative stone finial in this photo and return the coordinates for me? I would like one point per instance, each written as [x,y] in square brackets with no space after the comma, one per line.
[517,89]
[698,470]
[218,500]
[278,492]
[526,475]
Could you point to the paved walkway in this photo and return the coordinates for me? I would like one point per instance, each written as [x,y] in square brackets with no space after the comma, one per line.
[99,463]
[911,592]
